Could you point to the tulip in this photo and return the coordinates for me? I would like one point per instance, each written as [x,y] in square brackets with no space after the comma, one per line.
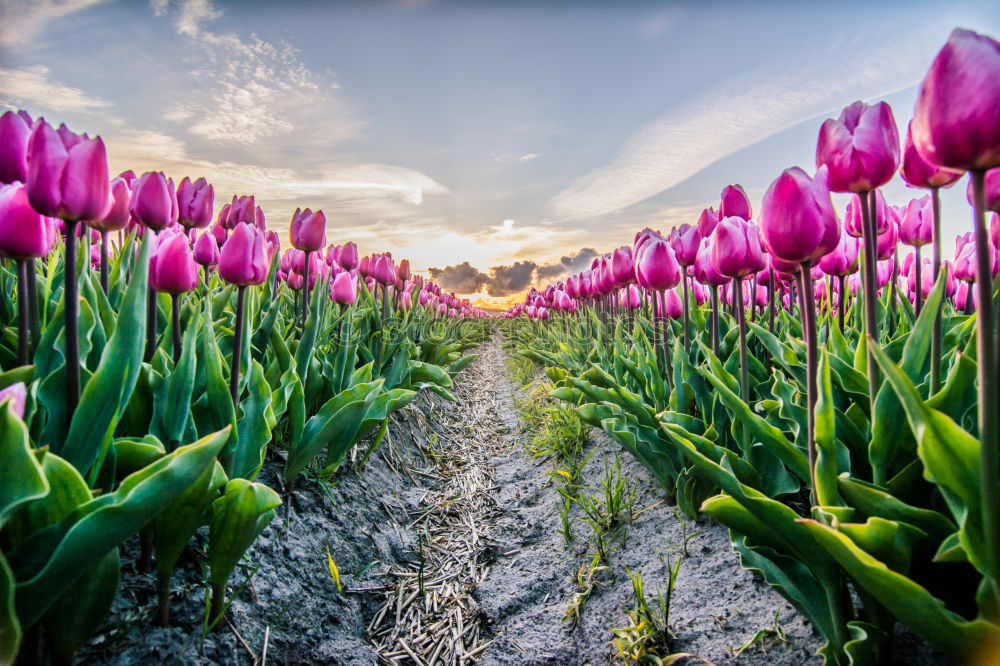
[24,236]
[885,245]
[918,172]
[344,289]
[206,253]
[736,249]
[685,244]
[154,201]
[15,396]
[706,222]
[308,230]
[172,270]
[798,223]
[991,190]
[860,148]
[14,134]
[735,203]
[67,178]
[241,262]
[622,266]
[195,201]
[656,267]
[403,270]
[349,256]
[672,305]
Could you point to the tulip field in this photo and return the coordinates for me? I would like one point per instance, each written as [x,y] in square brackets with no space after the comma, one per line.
[185,394]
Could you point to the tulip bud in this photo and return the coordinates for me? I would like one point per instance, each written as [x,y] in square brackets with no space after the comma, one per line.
[917,222]
[171,268]
[349,256]
[195,202]
[672,305]
[843,259]
[887,242]
[403,270]
[735,203]
[119,215]
[15,396]
[685,244]
[706,223]
[991,187]
[308,230]
[14,134]
[241,260]
[344,289]
[67,174]
[797,218]
[24,233]
[736,249]
[918,172]
[704,269]
[860,148]
[961,135]
[154,201]
[206,250]
[657,268]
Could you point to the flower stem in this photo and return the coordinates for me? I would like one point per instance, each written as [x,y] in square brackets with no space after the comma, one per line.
[234,376]
[937,335]
[808,305]
[870,227]
[104,261]
[715,320]
[685,282]
[741,319]
[22,311]
[305,292]
[919,302]
[988,404]
[770,299]
[34,322]
[71,313]
[175,308]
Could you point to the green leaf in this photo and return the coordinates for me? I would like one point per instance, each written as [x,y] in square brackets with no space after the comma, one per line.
[826,431]
[907,600]
[107,392]
[51,561]
[21,477]
[244,457]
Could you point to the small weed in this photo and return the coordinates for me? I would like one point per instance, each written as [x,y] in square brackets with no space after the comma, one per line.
[647,639]
[685,537]
[773,634]
[567,522]
[585,581]
[609,511]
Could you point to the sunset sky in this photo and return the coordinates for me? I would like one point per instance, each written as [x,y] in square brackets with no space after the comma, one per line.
[495,144]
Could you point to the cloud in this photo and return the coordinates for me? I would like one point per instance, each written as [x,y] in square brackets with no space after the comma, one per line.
[31,87]
[550,271]
[20,22]
[530,157]
[506,280]
[571,263]
[462,279]
[253,94]
[738,113]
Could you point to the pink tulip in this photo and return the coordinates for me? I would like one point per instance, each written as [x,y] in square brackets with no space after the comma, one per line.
[735,203]
[704,268]
[736,249]
[15,395]
[622,268]
[917,222]
[119,215]
[14,135]
[797,221]
[24,233]
[843,259]
[991,187]
[706,222]
[918,172]
[672,305]
[172,269]
[308,230]
[965,134]
[349,256]
[195,202]
[206,250]
[656,267]
[344,289]
[154,201]
[685,244]
[403,270]
[67,174]
[241,260]
[887,242]
[860,148]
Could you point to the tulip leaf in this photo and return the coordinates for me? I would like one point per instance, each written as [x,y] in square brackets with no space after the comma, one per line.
[106,394]
[21,477]
[244,457]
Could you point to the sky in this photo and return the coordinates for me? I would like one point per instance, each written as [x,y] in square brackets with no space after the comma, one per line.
[497,145]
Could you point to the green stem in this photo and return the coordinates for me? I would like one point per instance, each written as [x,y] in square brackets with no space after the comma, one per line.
[989,428]
[234,375]
[22,312]
[937,335]
[918,303]
[808,306]
[175,311]
[870,227]
[741,319]
[71,313]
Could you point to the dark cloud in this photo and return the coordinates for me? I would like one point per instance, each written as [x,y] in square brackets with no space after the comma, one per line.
[463,278]
[510,279]
[573,263]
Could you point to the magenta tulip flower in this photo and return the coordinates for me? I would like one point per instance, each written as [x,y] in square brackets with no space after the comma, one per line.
[403,270]
[206,250]
[656,267]
[172,269]
[67,174]
[242,260]
[685,244]
[797,221]
[622,269]
[24,233]
[886,246]
[860,148]
[344,289]
[704,269]
[348,256]
[154,201]
[14,134]
[672,305]
[843,259]
[916,226]
[963,136]
[308,230]
[706,222]
[918,172]
[736,249]
[119,215]
[735,203]
[991,188]
[195,203]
